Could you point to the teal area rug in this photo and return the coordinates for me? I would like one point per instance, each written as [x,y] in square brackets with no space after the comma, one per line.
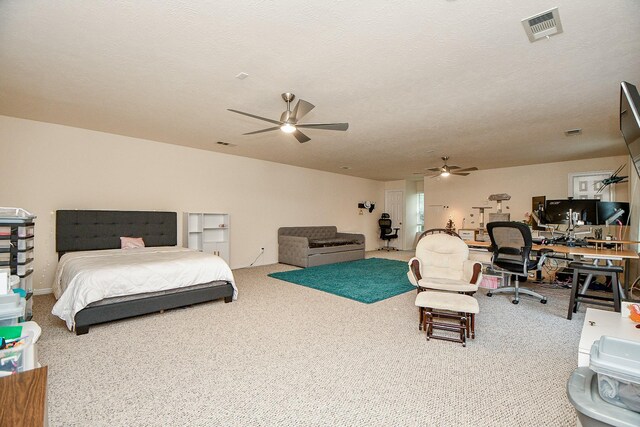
[365,280]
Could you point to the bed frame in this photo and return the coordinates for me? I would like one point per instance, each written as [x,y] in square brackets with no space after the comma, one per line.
[84,230]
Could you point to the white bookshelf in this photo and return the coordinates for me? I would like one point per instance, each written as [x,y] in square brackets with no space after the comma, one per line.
[207,232]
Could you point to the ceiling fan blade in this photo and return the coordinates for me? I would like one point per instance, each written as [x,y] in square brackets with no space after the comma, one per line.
[458,173]
[275,122]
[262,130]
[325,126]
[301,109]
[301,137]
[468,169]
[453,167]
[435,169]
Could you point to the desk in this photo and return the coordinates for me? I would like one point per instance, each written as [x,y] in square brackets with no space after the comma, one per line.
[596,254]
[23,399]
[617,244]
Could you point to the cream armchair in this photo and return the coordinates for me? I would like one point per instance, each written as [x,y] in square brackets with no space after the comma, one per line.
[442,263]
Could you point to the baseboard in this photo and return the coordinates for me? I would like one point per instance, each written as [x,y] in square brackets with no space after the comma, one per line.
[44,291]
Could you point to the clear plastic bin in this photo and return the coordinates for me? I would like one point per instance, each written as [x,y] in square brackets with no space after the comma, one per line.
[617,363]
[28,310]
[26,283]
[24,256]
[9,301]
[11,315]
[17,359]
[592,411]
[24,269]
[25,231]
[24,244]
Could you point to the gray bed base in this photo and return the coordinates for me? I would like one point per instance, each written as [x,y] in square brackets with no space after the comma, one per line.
[82,230]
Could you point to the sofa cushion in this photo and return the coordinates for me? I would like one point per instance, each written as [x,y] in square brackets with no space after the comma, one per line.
[312,232]
[336,241]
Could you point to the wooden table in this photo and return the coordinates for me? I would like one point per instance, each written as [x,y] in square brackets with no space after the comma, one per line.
[595,254]
[23,399]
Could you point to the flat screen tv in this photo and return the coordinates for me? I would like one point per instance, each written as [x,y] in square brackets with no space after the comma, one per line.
[630,121]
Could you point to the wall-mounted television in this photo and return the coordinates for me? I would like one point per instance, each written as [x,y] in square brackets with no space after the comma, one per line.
[630,121]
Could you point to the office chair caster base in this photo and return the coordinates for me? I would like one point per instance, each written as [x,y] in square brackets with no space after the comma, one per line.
[515,301]
[543,301]
[489,294]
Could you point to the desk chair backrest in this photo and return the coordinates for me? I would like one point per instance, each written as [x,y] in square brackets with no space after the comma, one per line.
[385,225]
[511,244]
[442,256]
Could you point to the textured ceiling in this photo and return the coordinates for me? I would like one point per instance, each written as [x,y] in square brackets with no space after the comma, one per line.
[415,79]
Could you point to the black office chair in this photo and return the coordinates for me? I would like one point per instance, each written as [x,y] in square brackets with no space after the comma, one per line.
[511,244]
[387,232]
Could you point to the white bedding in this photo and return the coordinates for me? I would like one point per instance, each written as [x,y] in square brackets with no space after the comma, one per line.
[89,276]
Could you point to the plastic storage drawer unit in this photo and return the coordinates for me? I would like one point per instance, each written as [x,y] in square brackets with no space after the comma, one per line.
[617,363]
[10,314]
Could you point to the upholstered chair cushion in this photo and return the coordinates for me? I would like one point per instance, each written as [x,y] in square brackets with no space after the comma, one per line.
[444,264]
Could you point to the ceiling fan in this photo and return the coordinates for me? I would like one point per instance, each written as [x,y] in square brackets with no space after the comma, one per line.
[288,122]
[446,170]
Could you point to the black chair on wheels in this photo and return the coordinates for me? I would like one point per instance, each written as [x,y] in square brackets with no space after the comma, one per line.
[387,232]
[511,243]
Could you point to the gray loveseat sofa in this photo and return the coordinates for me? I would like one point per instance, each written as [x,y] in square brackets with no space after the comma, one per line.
[310,246]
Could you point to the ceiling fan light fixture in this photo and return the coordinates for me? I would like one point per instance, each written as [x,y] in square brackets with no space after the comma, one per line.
[445,173]
[288,128]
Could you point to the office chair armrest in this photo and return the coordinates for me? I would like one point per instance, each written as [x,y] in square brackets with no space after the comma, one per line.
[414,274]
[542,256]
[472,271]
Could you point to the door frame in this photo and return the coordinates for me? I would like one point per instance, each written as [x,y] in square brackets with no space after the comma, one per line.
[397,222]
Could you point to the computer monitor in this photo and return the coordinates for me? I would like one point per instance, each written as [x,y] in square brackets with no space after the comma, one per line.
[608,211]
[557,211]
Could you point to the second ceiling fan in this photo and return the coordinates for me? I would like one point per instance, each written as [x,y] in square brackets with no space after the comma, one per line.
[446,170]
[288,122]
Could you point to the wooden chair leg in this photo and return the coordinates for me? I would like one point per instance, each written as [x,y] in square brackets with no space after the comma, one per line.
[468,323]
[473,326]
[463,329]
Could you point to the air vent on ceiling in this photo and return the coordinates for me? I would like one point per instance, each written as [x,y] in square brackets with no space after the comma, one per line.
[542,25]
[572,132]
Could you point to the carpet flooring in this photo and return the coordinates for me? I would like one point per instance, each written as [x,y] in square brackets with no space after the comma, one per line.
[287,355]
[365,280]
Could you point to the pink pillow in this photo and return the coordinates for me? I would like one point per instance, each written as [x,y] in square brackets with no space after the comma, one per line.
[131,242]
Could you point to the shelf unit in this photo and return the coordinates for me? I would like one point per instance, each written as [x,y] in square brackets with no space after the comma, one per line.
[207,232]
[16,253]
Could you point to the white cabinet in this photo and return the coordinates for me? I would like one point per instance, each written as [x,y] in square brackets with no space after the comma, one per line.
[207,232]
[598,323]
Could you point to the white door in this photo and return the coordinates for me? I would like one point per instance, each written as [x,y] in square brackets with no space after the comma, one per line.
[394,206]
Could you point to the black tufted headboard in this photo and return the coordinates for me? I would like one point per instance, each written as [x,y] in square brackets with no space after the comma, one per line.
[78,230]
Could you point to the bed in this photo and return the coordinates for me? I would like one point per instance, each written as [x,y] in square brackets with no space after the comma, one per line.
[90,235]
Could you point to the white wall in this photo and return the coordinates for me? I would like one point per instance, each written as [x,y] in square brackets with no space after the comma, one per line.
[460,194]
[47,167]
